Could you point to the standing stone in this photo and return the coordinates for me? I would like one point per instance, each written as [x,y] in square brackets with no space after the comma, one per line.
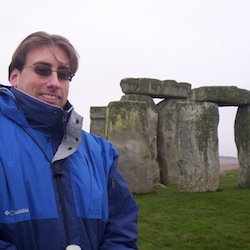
[131,127]
[166,141]
[98,120]
[152,110]
[197,143]
[242,140]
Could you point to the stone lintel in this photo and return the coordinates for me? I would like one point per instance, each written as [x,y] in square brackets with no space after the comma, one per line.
[222,95]
[155,88]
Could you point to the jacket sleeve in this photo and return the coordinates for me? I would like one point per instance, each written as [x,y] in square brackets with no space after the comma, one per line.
[6,246]
[121,231]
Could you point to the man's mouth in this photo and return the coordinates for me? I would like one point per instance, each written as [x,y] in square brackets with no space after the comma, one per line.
[51,97]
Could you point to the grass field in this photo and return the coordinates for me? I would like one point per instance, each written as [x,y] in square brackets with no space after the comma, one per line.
[219,220]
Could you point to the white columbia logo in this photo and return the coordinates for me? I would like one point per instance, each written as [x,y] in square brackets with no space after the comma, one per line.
[16,212]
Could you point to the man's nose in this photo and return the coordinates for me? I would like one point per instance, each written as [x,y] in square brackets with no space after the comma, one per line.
[54,80]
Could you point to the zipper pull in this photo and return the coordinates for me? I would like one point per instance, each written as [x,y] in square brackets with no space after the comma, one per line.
[64,119]
[64,123]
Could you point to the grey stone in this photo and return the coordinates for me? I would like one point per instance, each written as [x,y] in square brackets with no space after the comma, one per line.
[155,88]
[242,139]
[222,95]
[166,141]
[186,134]
[131,127]
[98,120]
[197,143]
[140,98]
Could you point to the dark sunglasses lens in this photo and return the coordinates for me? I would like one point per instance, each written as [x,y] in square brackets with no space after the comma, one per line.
[64,74]
[43,70]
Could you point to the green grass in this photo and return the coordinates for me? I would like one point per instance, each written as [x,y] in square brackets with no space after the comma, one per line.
[169,219]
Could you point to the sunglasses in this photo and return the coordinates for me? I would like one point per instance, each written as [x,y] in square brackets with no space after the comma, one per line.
[45,70]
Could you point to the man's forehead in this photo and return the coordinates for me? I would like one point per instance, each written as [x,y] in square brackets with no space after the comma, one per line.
[47,54]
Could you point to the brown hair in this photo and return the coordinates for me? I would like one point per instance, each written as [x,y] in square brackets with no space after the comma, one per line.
[42,38]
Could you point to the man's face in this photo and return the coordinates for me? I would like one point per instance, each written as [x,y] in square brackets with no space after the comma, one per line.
[50,89]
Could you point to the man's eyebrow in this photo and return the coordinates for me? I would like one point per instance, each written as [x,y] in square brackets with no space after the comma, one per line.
[43,63]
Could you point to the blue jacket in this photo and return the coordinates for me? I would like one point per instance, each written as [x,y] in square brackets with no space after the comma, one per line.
[58,184]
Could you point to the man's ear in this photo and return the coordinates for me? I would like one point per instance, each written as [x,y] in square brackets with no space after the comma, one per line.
[14,77]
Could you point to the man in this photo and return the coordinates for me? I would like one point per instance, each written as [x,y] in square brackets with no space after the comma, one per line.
[59,185]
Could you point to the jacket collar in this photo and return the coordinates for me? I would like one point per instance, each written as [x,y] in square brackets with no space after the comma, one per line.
[48,117]
[41,115]
[37,114]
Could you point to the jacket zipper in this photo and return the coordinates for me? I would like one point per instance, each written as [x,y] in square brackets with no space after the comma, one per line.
[58,176]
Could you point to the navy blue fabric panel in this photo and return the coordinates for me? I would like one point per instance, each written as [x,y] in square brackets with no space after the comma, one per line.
[121,231]
[31,234]
[7,245]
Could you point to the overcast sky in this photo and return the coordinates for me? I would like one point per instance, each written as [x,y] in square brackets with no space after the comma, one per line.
[202,42]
